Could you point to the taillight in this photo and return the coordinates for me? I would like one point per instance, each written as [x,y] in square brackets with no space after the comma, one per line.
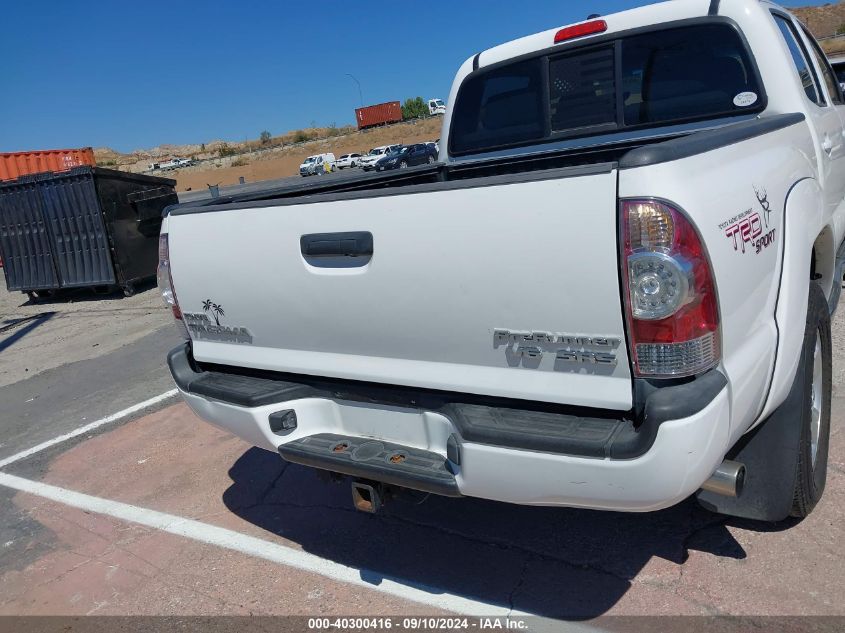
[670,296]
[165,283]
[580,30]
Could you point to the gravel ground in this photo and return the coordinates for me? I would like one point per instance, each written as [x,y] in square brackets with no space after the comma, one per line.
[77,326]
[837,341]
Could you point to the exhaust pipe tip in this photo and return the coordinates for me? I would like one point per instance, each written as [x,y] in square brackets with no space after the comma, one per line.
[728,480]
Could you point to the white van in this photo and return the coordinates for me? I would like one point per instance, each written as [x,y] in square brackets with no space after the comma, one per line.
[436,106]
[318,164]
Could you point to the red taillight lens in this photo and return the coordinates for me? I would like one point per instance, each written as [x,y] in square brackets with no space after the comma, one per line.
[165,282]
[580,30]
[670,296]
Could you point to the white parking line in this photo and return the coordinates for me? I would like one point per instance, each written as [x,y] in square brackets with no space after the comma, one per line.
[250,545]
[258,548]
[82,430]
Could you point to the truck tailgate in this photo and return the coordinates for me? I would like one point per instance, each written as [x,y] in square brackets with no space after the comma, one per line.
[499,286]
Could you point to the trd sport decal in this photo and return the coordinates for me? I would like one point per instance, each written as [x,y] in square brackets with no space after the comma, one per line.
[200,326]
[748,228]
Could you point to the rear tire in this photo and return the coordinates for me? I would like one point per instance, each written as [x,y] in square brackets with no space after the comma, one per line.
[786,455]
[811,472]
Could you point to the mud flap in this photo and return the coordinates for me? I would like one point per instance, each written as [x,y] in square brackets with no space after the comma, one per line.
[770,452]
[770,456]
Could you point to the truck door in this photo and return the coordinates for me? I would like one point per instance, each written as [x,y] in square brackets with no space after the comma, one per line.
[822,110]
[833,93]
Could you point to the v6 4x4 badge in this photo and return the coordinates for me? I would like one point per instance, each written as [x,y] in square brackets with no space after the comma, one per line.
[201,326]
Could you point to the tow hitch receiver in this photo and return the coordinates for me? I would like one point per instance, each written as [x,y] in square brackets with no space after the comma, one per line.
[367,497]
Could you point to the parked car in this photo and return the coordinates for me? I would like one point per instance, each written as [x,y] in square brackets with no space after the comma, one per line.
[615,292]
[369,161]
[408,156]
[348,160]
[317,165]
[436,106]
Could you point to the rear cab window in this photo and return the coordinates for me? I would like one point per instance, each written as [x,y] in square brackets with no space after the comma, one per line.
[662,76]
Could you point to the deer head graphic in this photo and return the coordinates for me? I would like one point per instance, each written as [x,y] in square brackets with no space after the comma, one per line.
[763,199]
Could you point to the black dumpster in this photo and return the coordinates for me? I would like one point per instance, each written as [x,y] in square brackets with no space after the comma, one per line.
[88,227]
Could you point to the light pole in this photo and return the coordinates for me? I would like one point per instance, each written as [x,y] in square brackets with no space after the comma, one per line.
[360,97]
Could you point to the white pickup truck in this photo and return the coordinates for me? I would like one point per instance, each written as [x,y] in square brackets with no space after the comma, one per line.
[172,163]
[612,291]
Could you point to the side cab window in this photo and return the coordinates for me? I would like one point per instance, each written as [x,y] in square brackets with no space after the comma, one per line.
[833,89]
[806,72]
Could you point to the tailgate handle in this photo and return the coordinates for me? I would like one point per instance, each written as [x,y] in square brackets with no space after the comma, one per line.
[349,244]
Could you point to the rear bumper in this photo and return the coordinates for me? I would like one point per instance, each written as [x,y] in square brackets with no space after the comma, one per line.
[508,460]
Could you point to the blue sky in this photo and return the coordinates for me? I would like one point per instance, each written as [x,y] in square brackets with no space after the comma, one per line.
[135,74]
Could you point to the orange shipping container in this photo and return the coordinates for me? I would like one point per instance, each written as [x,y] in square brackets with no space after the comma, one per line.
[14,164]
[380,114]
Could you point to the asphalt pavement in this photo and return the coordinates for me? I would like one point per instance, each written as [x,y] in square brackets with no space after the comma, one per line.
[61,399]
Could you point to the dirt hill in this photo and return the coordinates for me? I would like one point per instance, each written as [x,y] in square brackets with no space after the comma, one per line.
[224,163]
[824,20]
[280,157]
[285,161]
[139,159]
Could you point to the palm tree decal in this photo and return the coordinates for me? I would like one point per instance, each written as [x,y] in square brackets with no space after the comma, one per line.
[215,308]
[217,311]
